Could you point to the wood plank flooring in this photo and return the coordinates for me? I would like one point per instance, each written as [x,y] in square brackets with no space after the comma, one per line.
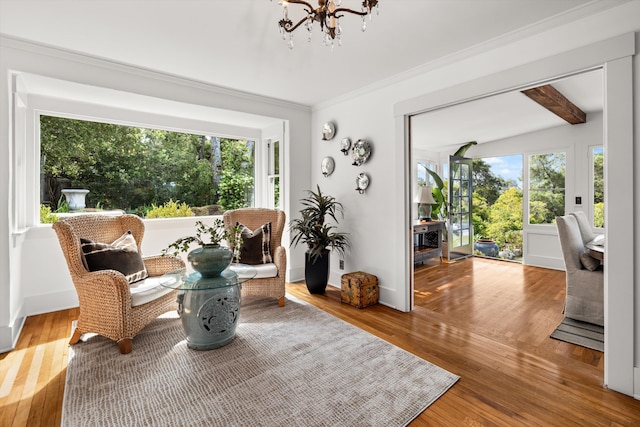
[487,321]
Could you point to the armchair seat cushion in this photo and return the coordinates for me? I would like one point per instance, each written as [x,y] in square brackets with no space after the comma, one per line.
[147,290]
[266,270]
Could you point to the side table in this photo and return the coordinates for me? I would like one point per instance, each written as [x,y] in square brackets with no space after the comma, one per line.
[427,240]
[209,308]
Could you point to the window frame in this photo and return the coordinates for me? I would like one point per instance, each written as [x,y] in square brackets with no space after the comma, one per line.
[39,105]
[568,186]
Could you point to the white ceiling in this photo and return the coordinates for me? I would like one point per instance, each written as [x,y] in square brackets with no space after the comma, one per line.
[236,44]
[502,116]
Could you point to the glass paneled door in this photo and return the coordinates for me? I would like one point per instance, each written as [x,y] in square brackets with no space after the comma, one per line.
[459,224]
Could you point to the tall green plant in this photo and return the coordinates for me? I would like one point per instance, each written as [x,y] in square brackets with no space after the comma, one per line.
[312,230]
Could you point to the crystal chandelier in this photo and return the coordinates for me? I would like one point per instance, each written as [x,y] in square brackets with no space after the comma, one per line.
[327,14]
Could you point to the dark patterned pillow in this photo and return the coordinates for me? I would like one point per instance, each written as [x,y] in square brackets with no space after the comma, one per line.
[256,245]
[121,255]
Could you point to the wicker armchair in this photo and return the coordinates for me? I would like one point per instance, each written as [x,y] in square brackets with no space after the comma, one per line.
[254,218]
[105,297]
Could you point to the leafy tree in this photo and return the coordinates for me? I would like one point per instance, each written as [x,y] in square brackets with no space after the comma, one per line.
[236,181]
[78,153]
[546,187]
[598,189]
[598,177]
[485,183]
[480,215]
[505,215]
[598,215]
[234,189]
[133,168]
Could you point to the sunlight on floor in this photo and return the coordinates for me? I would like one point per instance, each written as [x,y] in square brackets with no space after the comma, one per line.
[13,360]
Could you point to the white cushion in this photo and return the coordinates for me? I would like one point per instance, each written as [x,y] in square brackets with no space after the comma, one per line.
[264,270]
[147,290]
[598,240]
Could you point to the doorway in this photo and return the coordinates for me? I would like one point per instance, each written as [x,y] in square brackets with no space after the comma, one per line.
[618,143]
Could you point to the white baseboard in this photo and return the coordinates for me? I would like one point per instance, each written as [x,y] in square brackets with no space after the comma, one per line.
[295,275]
[47,303]
[9,334]
[636,383]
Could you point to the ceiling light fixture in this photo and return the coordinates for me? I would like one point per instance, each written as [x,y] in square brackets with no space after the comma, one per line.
[328,14]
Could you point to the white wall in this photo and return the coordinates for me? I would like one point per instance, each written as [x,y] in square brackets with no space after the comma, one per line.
[33,276]
[376,220]
[379,219]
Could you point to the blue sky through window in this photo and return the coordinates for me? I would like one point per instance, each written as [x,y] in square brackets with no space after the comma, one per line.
[507,167]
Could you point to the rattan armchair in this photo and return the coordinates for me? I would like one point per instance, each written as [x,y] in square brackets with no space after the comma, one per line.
[105,297]
[254,218]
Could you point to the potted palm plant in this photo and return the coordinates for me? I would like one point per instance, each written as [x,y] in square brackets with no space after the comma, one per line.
[312,230]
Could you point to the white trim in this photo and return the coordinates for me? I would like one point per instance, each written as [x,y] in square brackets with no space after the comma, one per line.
[590,8]
[88,59]
[615,55]
[525,76]
[9,334]
[619,275]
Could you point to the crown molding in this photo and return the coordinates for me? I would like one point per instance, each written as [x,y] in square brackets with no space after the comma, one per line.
[590,8]
[95,61]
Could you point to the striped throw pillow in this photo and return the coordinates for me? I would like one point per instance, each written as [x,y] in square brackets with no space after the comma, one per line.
[121,255]
[256,244]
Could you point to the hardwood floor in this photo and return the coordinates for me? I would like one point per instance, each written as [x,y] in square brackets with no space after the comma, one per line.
[486,321]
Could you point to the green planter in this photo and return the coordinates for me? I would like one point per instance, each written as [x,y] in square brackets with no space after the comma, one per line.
[210,260]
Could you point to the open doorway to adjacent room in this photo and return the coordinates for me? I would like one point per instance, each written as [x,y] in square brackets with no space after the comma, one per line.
[526,168]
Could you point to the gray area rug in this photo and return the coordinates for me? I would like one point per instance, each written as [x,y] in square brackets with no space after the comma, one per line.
[580,333]
[291,366]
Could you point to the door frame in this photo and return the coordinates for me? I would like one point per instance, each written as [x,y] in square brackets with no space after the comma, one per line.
[615,57]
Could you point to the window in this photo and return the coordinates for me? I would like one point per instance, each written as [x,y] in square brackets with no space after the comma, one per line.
[497,204]
[136,169]
[273,174]
[424,178]
[597,171]
[546,187]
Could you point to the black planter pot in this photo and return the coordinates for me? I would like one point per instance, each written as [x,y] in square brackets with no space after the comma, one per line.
[316,274]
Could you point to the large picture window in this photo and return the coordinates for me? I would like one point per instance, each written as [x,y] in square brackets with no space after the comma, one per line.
[149,172]
[546,187]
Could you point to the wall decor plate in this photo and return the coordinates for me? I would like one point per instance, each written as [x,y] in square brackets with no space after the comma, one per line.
[345,145]
[328,131]
[328,165]
[362,182]
[360,152]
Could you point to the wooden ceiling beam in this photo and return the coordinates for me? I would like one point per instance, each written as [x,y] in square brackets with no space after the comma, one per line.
[554,101]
